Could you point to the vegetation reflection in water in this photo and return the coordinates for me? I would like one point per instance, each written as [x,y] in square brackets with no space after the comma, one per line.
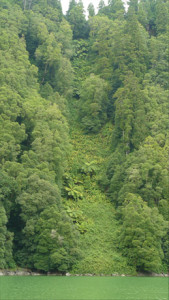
[83,288]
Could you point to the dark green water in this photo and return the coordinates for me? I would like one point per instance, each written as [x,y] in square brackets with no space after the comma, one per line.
[83,288]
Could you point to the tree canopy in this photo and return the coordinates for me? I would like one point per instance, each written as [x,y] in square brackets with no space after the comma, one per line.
[84,140]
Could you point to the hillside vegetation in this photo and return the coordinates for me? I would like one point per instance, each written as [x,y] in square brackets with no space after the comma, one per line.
[84,141]
[89,208]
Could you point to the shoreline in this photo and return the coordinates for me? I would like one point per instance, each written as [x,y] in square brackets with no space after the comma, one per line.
[36,273]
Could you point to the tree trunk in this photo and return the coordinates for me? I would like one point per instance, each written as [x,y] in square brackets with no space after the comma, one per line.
[24,4]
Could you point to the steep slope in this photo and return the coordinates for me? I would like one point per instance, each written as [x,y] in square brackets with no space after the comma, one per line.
[89,208]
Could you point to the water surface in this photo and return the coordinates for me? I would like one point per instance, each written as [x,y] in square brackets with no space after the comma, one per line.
[83,288]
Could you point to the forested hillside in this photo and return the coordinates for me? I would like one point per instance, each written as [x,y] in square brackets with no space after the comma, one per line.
[84,136]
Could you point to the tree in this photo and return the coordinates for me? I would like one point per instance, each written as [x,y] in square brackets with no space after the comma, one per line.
[72,4]
[43,6]
[48,54]
[6,237]
[144,173]
[162,15]
[64,37]
[133,7]
[57,241]
[130,120]
[36,197]
[103,37]
[63,79]
[115,9]
[76,18]
[159,60]
[94,100]
[3,221]
[147,15]
[91,10]
[141,234]
[137,45]
[101,5]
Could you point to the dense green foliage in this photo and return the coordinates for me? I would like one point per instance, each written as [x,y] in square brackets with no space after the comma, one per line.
[84,144]
[34,138]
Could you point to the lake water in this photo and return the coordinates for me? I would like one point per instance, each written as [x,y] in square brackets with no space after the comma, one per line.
[83,288]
